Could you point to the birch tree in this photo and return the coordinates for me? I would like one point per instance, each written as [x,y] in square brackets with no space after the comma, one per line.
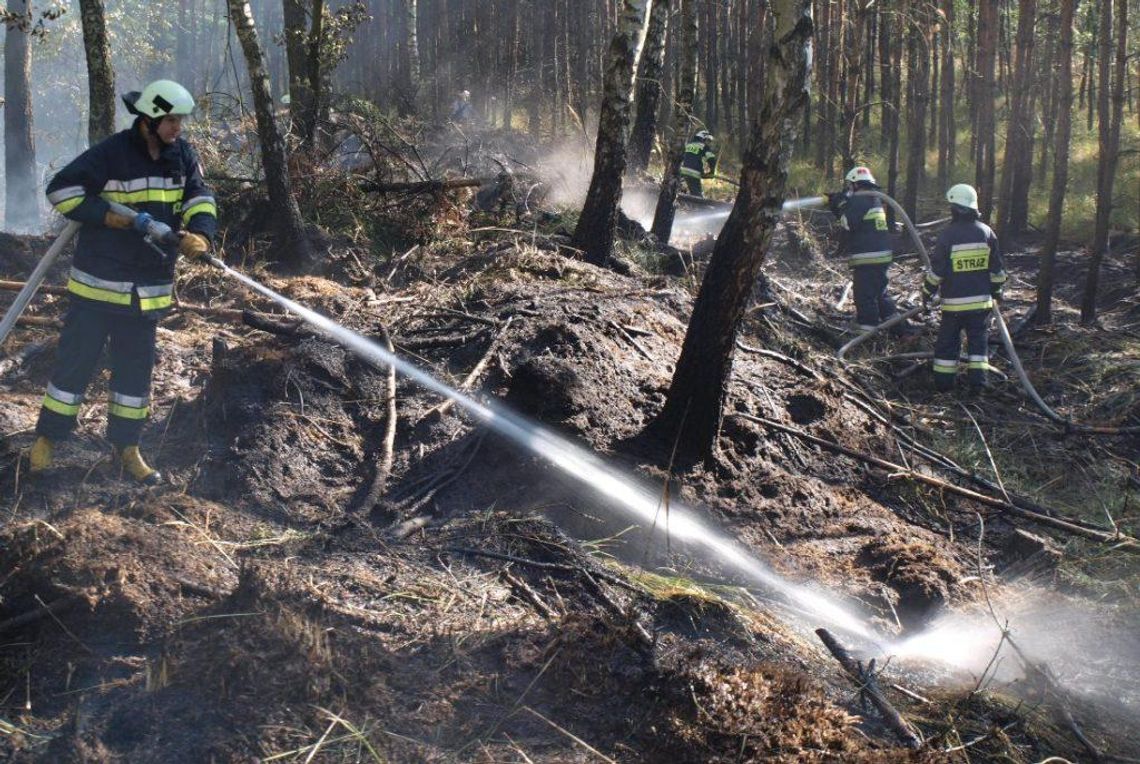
[100,75]
[696,397]
[594,234]
[292,239]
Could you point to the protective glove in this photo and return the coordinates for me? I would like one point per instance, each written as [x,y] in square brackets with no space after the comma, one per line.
[996,294]
[837,201]
[115,220]
[193,246]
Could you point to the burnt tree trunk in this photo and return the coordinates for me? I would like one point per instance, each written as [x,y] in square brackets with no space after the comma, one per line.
[594,234]
[1064,101]
[100,75]
[649,70]
[1109,138]
[682,114]
[291,236]
[22,195]
[696,397]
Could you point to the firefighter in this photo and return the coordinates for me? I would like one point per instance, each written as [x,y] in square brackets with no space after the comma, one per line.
[461,109]
[869,248]
[698,161]
[967,270]
[119,285]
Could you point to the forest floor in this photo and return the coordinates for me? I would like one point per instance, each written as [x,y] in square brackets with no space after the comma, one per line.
[287,597]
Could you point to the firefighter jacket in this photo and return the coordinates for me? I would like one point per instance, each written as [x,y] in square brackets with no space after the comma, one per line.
[698,161]
[116,270]
[966,266]
[868,231]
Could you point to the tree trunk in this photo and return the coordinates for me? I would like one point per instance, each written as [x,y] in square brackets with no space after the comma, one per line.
[295,23]
[986,128]
[292,239]
[896,121]
[919,92]
[649,71]
[22,195]
[696,397]
[1018,142]
[1064,103]
[1109,145]
[313,65]
[594,234]
[100,75]
[682,114]
[412,40]
[947,135]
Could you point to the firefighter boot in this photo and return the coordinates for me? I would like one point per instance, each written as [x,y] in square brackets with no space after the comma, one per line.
[40,455]
[132,462]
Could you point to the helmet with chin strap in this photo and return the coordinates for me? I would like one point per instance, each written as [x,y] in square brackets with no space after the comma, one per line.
[159,99]
[860,175]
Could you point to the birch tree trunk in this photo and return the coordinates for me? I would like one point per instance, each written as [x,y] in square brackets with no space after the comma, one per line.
[1064,129]
[682,115]
[594,234]
[22,196]
[292,240]
[696,397]
[1109,147]
[100,75]
[649,71]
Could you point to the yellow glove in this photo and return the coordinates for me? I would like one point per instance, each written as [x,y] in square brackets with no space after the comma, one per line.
[193,245]
[115,220]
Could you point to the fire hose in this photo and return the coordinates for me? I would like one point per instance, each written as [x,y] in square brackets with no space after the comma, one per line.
[25,295]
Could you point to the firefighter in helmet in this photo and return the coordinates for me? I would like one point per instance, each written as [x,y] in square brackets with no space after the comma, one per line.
[868,244]
[966,269]
[699,161]
[119,284]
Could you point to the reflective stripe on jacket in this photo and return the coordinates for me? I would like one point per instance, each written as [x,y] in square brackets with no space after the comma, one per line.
[868,232]
[698,161]
[966,266]
[115,269]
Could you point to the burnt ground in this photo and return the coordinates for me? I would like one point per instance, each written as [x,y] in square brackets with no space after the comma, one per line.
[284,597]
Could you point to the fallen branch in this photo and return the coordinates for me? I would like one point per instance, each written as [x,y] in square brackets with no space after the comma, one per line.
[630,339]
[559,566]
[801,368]
[422,186]
[22,356]
[869,687]
[897,470]
[530,595]
[440,410]
[53,608]
[384,465]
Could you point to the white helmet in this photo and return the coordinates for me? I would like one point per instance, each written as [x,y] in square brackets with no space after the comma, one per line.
[704,135]
[860,175]
[963,195]
[163,97]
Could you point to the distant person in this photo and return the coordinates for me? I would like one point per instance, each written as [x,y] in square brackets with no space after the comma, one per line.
[461,109]
[699,161]
[869,248]
[966,268]
[119,285]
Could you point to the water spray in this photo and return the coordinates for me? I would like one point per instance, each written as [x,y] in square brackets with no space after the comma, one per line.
[576,462]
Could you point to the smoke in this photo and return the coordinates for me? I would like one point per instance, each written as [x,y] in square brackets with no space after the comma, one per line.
[567,169]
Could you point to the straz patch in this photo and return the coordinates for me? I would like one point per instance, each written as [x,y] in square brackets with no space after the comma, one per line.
[970,259]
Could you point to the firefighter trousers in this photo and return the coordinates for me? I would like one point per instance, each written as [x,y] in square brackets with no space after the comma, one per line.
[131,341]
[975,323]
[873,305]
[694,185]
